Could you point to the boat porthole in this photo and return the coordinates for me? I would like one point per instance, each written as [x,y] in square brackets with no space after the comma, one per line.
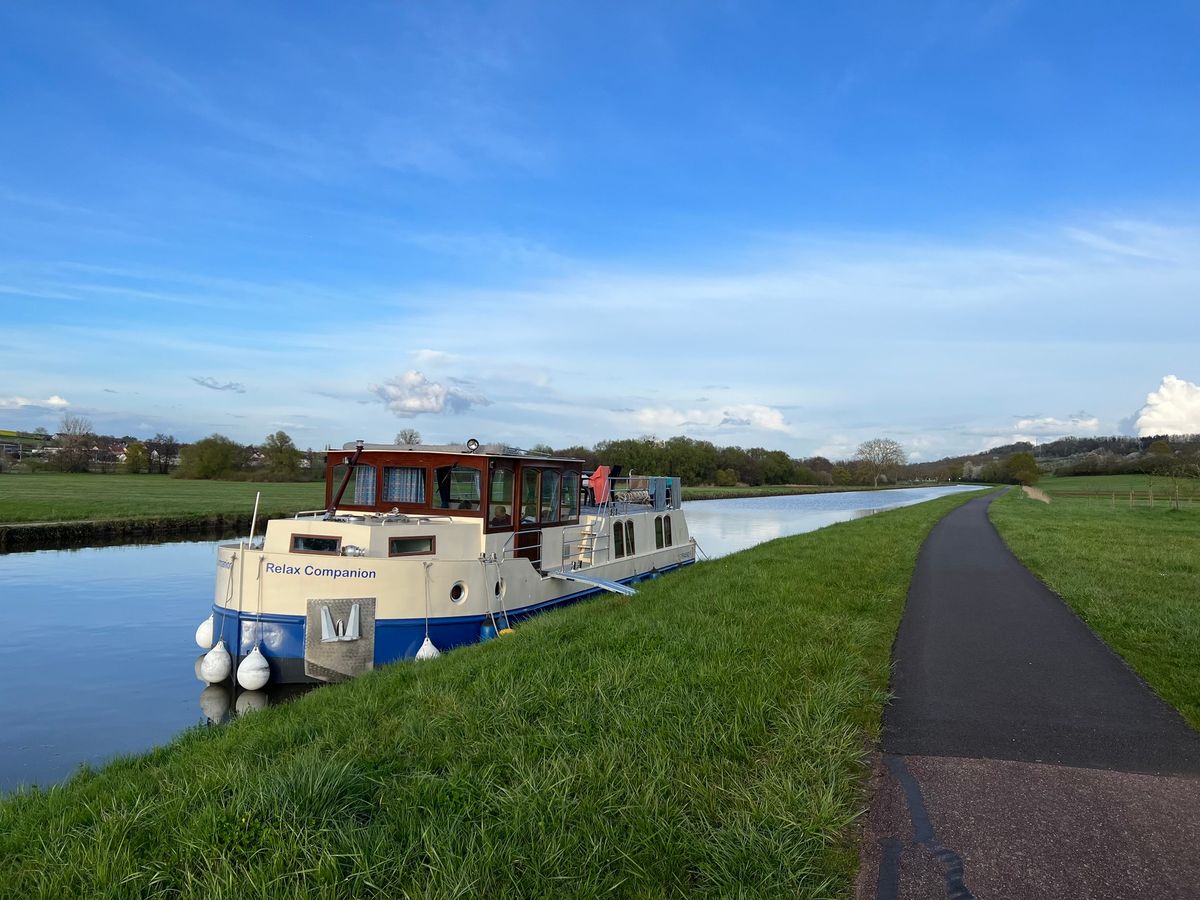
[458,592]
[499,588]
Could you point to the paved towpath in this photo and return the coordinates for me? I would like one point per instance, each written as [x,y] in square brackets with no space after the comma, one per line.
[1022,757]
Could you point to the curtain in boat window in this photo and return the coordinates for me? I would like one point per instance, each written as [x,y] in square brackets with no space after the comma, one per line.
[364,485]
[403,484]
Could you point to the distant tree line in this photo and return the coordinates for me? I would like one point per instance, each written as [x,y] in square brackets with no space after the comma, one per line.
[76,447]
[702,462]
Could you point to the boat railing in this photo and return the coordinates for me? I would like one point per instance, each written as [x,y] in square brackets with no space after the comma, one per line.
[636,493]
[372,518]
[584,543]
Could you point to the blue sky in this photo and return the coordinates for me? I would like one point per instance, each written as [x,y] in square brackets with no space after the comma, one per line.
[788,225]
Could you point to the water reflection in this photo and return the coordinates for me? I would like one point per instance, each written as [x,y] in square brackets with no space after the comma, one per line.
[221,703]
[726,526]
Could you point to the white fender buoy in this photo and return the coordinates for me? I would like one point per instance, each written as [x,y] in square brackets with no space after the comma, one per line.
[214,703]
[250,701]
[428,651]
[204,633]
[216,665]
[254,671]
[199,663]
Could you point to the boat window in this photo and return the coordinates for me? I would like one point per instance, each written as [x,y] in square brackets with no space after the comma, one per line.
[403,484]
[360,490]
[658,532]
[457,487]
[529,496]
[570,495]
[629,537]
[550,483]
[500,497]
[618,540]
[667,529]
[312,543]
[410,546]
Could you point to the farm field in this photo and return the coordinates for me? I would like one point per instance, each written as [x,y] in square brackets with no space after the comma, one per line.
[1131,573]
[1162,486]
[69,498]
[706,737]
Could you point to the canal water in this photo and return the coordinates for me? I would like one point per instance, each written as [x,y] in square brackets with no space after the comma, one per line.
[97,649]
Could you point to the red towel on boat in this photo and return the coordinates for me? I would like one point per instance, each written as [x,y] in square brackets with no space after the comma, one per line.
[599,483]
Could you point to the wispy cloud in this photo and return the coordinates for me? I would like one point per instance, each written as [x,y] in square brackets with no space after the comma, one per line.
[214,385]
[53,402]
[716,419]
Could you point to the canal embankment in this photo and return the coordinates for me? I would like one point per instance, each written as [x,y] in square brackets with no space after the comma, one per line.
[705,736]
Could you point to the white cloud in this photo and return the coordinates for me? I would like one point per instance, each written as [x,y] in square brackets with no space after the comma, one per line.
[412,394]
[1081,423]
[53,402]
[1173,409]
[742,416]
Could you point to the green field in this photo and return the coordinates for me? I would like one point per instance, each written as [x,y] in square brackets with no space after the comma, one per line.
[706,737]
[1132,573]
[72,498]
[1162,486]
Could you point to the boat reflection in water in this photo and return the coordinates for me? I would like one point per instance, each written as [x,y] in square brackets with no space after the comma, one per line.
[222,703]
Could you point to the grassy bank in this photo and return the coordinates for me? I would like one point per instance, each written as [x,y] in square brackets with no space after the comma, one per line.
[1133,574]
[705,737]
[72,498]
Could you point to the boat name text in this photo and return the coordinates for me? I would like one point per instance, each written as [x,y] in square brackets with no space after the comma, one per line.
[277,569]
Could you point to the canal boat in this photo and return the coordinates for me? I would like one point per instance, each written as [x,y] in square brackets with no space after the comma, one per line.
[420,549]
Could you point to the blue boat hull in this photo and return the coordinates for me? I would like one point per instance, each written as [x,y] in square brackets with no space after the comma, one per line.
[281,638]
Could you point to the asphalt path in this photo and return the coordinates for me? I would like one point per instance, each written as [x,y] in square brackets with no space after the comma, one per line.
[1021,756]
[990,663]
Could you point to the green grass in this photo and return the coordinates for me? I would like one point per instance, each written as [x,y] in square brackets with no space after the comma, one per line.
[1120,484]
[706,737]
[71,498]
[1133,574]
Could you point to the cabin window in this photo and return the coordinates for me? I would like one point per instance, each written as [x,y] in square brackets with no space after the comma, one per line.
[457,487]
[500,497]
[550,484]
[312,543]
[403,484]
[629,537]
[360,489]
[667,529]
[658,532]
[410,546]
[618,540]
[529,496]
[570,495]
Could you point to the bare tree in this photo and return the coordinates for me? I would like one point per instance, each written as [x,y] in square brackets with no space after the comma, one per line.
[75,437]
[879,456]
[408,436]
